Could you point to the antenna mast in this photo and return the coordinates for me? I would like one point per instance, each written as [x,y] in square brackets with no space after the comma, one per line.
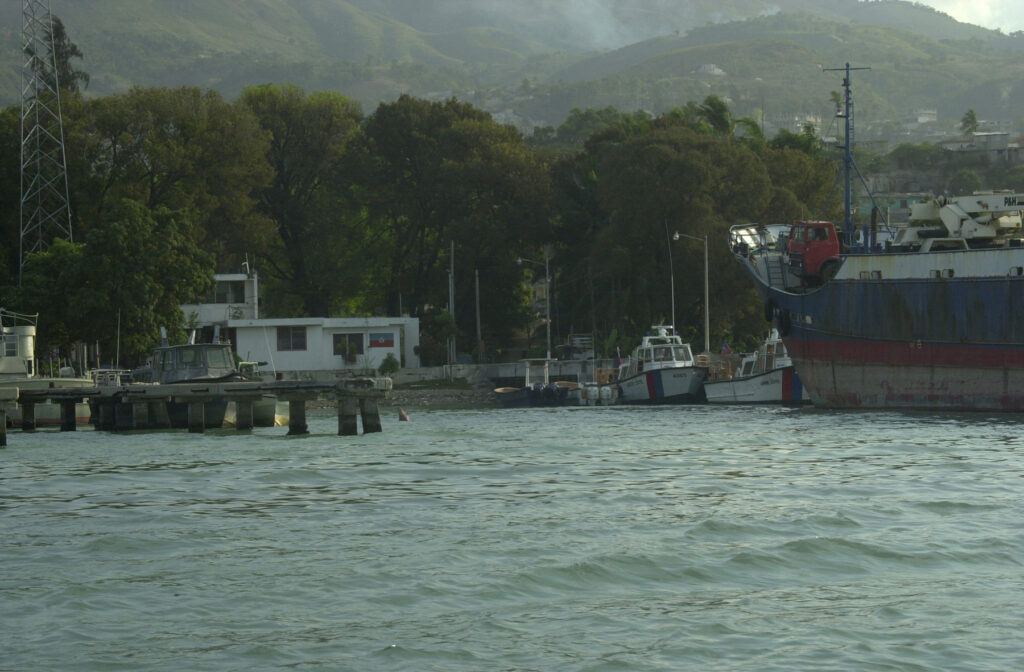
[45,214]
[847,114]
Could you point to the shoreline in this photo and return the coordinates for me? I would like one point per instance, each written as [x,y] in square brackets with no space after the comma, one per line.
[440,398]
[429,397]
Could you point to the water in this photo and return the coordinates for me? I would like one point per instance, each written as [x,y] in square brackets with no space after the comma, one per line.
[566,539]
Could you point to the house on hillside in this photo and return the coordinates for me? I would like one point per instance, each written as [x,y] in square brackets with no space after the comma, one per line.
[299,347]
[994,145]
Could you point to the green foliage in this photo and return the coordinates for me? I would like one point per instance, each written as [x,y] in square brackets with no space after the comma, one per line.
[441,175]
[318,229]
[806,141]
[389,366]
[969,123]
[916,156]
[354,216]
[183,150]
[135,269]
[964,181]
[64,50]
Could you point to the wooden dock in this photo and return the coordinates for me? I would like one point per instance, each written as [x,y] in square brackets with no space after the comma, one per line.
[131,406]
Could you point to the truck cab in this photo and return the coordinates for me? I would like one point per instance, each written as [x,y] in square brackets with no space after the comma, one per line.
[813,249]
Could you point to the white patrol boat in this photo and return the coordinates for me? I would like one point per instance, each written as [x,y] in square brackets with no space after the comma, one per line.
[661,370]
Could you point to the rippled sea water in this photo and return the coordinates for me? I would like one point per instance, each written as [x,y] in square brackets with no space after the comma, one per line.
[685,538]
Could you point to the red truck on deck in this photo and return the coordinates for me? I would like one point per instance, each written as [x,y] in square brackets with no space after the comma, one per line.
[813,249]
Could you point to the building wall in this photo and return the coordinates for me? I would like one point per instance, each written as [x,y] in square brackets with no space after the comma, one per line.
[257,340]
[212,313]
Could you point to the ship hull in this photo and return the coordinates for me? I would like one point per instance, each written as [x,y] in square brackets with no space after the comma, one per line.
[953,341]
[680,385]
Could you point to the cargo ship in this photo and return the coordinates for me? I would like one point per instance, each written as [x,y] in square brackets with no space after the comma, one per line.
[928,317]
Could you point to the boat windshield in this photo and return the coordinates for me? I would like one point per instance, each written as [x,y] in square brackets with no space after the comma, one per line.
[219,358]
[669,353]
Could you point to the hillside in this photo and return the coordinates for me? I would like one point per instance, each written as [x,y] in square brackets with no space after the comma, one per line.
[531,61]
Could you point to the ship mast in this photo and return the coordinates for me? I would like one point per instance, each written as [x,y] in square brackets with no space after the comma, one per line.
[847,114]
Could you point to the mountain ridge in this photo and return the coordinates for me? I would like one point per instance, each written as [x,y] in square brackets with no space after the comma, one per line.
[530,62]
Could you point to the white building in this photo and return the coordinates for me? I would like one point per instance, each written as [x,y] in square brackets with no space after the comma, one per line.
[298,346]
[303,346]
[235,296]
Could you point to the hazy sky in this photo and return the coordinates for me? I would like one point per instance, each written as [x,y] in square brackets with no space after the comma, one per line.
[1006,15]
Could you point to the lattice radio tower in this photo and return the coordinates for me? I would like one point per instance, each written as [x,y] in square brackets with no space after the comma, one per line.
[45,214]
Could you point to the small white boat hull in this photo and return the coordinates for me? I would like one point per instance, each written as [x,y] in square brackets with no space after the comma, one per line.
[266,412]
[48,414]
[779,386]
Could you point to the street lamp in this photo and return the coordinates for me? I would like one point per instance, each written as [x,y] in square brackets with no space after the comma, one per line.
[547,291]
[707,317]
[671,274]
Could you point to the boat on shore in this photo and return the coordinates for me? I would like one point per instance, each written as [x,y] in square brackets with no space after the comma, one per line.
[19,370]
[932,318]
[765,376]
[661,370]
[538,392]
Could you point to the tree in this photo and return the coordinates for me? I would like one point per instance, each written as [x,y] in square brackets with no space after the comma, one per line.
[801,186]
[434,174]
[305,200]
[583,125]
[673,179]
[137,267]
[964,181]
[177,149]
[917,156]
[715,112]
[969,123]
[63,51]
[10,195]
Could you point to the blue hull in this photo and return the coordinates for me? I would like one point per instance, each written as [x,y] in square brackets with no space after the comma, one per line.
[953,341]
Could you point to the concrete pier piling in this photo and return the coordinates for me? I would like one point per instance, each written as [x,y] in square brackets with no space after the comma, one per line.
[371,416]
[348,425]
[297,417]
[133,406]
[28,416]
[243,413]
[67,415]
[140,414]
[196,416]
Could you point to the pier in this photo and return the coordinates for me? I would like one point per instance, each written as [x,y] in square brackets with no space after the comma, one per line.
[133,406]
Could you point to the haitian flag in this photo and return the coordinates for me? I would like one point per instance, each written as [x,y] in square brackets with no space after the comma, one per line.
[382,340]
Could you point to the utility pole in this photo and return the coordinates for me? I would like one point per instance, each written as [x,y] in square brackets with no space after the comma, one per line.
[479,337]
[451,306]
[44,211]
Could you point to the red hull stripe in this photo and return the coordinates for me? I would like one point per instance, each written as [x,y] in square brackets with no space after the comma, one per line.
[906,354]
[654,389]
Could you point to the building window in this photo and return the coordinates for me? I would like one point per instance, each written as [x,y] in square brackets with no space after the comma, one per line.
[291,338]
[348,345]
[229,291]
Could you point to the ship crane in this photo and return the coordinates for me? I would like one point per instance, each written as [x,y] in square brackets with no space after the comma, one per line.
[988,218]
